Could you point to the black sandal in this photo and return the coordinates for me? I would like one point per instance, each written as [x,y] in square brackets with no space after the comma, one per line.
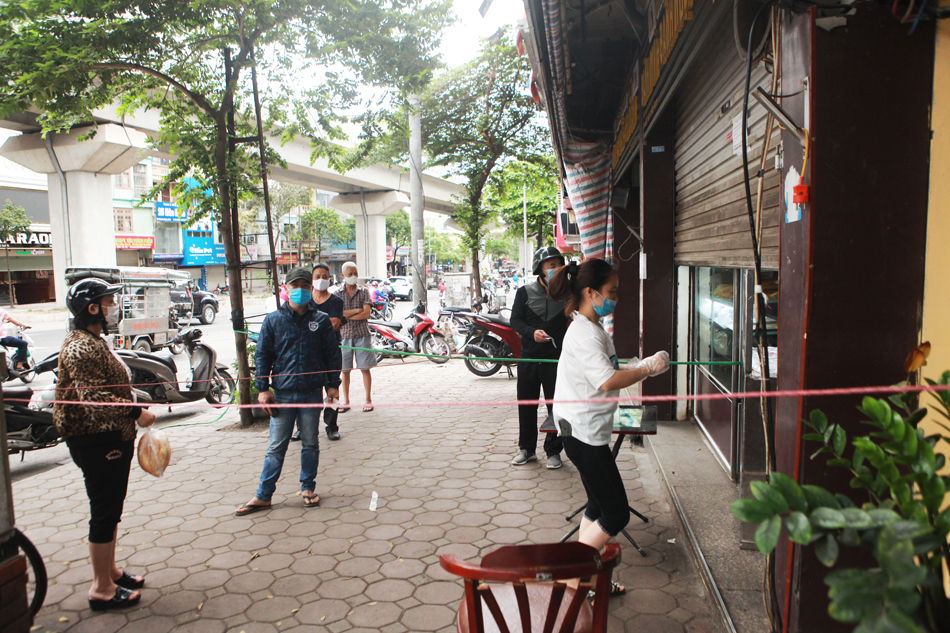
[128,581]
[616,589]
[122,599]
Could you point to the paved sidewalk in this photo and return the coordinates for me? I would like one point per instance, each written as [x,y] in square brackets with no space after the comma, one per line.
[444,486]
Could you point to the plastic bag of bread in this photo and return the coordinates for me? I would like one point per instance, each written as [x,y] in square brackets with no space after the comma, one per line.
[154,451]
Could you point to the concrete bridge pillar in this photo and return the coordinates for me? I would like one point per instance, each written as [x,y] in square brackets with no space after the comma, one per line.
[370,211]
[81,215]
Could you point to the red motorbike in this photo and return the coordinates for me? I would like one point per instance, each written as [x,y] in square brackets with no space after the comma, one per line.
[421,337]
[490,338]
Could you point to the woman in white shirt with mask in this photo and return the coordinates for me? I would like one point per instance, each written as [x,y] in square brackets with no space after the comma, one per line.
[588,369]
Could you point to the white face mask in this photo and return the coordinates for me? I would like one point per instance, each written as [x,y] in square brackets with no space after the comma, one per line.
[321,284]
[351,281]
[113,315]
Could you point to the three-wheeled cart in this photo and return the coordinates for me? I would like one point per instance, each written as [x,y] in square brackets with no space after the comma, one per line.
[149,316]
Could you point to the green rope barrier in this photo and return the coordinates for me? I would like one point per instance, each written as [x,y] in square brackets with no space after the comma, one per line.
[525,360]
[521,360]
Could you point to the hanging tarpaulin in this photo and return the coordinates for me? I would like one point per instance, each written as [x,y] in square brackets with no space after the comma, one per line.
[587,166]
[555,46]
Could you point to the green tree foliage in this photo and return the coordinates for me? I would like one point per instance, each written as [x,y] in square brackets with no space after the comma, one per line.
[349,231]
[284,199]
[474,119]
[501,246]
[505,195]
[446,247]
[13,220]
[68,58]
[321,224]
[398,231]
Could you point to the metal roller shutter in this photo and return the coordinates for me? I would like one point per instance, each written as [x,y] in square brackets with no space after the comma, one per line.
[712,226]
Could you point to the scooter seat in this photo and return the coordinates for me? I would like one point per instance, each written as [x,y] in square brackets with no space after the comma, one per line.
[165,360]
[18,393]
[396,325]
[455,309]
[494,318]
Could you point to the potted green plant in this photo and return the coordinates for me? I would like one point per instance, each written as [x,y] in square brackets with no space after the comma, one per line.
[904,525]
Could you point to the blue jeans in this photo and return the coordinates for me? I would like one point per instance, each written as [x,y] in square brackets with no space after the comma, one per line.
[281,428]
[19,344]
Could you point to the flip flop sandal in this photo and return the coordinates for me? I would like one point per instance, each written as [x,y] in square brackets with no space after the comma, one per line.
[343,408]
[367,408]
[122,599]
[245,510]
[128,581]
[615,590]
[311,504]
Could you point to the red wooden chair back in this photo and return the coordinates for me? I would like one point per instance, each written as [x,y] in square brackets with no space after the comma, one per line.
[535,596]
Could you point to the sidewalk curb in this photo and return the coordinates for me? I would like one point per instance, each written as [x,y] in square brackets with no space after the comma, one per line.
[694,548]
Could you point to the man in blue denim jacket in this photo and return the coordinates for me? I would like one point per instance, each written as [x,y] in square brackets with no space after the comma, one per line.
[297,354]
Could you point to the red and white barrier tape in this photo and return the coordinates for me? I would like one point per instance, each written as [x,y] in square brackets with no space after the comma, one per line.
[841,391]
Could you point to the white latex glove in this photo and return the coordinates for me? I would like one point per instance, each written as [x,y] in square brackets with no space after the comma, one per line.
[656,364]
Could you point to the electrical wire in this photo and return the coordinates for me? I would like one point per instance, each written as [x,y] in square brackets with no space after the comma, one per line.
[632,234]
[801,178]
[923,7]
[775,619]
[791,94]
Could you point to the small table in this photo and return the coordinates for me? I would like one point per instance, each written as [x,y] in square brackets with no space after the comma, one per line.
[643,422]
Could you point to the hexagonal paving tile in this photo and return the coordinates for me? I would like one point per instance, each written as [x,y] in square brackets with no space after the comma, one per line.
[445,488]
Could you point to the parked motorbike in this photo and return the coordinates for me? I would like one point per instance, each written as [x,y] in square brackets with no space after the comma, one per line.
[156,377]
[222,290]
[25,375]
[462,317]
[422,337]
[490,336]
[382,311]
[28,427]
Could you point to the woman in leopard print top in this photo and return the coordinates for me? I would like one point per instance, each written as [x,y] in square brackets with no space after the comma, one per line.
[89,372]
[100,438]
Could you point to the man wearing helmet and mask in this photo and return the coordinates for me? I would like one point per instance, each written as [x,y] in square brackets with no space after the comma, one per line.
[541,323]
[100,438]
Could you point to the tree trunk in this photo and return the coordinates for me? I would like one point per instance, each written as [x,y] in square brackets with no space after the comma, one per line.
[476,276]
[233,260]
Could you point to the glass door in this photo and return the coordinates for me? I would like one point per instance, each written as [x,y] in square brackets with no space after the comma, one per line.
[714,341]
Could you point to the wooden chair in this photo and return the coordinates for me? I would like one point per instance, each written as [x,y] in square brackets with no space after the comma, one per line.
[534,598]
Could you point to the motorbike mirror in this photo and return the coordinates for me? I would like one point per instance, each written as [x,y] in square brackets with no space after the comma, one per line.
[47,364]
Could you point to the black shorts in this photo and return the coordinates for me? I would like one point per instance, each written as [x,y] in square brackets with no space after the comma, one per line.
[105,461]
[606,496]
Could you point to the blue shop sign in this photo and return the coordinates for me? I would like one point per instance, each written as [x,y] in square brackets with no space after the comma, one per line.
[201,250]
[168,212]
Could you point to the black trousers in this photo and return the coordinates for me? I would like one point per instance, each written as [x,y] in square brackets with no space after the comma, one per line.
[532,377]
[105,468]
[606,496]
[330,416]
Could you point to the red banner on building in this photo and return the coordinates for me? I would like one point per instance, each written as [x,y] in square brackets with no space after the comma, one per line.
[287,258]
[135,242]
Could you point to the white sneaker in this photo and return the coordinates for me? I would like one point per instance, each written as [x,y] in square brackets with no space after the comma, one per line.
[554,462]
[523,458]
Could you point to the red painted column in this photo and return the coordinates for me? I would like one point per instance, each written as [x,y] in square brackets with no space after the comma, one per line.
[852,268]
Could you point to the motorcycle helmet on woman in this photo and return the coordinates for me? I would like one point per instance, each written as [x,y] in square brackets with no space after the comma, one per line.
[84,293]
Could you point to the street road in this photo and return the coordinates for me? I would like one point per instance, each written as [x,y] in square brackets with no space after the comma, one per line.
[48,338]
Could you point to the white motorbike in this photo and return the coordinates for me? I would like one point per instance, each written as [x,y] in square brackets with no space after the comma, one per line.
[26,375]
